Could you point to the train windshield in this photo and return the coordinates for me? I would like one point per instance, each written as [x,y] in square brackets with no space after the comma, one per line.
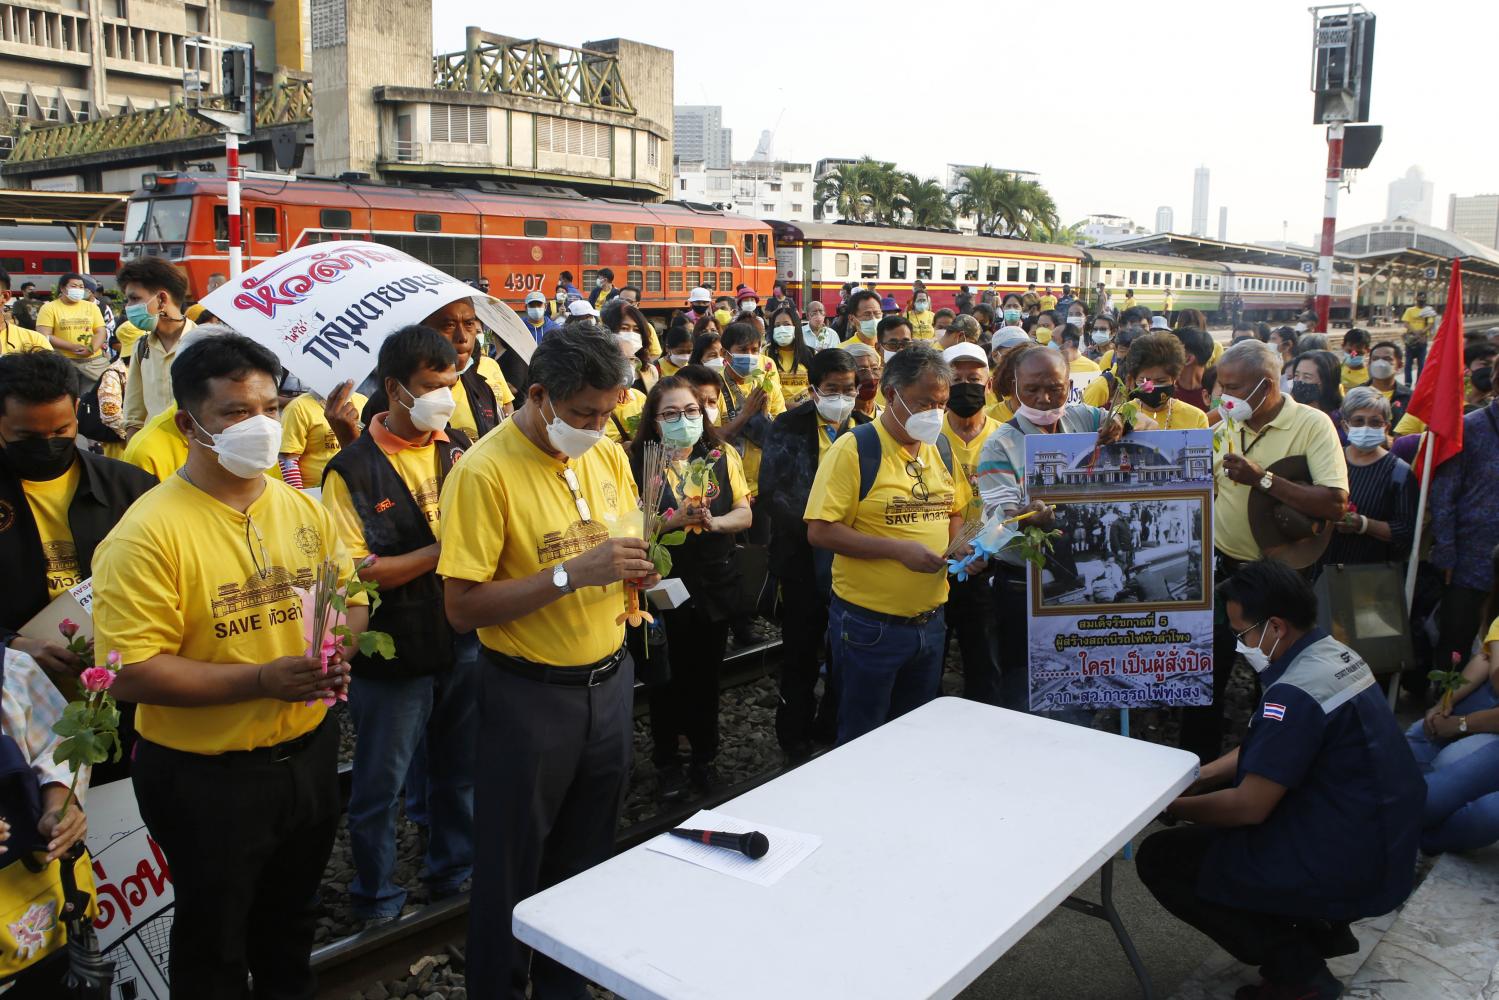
[157,220]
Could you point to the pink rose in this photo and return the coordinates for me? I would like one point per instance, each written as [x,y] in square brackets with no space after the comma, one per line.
[367,562]
[1147,386]
[114,659]
[68,627]
[97,678]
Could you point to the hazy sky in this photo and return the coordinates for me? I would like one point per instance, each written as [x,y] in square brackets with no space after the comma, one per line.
[1113,104]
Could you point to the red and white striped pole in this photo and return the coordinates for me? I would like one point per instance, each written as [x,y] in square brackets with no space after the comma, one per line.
[231,157]
[1329,222]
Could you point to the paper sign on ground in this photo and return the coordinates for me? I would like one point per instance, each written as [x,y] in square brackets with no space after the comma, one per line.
[324,309]
[787,849]
[135,895]
[1122,614]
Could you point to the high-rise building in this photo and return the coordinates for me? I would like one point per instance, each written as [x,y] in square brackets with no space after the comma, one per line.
[698,135]
[1476,217]
[1164,219]
[1223,223]
[1200,202]
[1410,198]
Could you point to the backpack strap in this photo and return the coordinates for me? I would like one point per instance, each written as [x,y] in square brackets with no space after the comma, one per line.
[867,440]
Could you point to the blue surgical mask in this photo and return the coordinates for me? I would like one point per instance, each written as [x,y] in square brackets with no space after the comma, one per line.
[1366,437]
[743,363]
[138,316]
[1012,317]
[682,432]
[868,328]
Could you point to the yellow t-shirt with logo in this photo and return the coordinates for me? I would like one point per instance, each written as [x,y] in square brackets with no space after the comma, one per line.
[890,510]
[775,405]
[923,324]
[160,448]
[416,465]
[1047,302]
[187,575]
[509,514]
[1412,318]
[75,321]
[306,434]
[1083,364]
[1177,416]
[856,339]
[463,414]
[1000,412]
[1354,376]
[49,501]
[793,383]
[965,454]
[15,337]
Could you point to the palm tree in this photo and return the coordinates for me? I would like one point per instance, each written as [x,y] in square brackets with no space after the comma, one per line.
[1004,204]
[886,193]
[853,190]
[1068,235]
[927,203]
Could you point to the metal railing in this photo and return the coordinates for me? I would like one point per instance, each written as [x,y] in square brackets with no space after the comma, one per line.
[538,69]
[288,102]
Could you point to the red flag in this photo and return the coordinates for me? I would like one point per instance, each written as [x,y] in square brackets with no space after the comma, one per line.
[1438,398]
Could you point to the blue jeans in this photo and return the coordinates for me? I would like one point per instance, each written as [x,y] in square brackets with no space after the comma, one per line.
[1462,782]
[391,717]
[884,669]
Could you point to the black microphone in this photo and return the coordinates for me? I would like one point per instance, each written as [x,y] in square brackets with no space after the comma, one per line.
[753,844]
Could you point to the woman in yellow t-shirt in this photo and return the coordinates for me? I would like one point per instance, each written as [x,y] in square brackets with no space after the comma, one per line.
[790,354]
[1155,360]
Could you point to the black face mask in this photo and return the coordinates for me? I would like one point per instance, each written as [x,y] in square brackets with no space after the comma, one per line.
[1306,392]
[1155,398]
[40,459]
[966,398]
[1482,379]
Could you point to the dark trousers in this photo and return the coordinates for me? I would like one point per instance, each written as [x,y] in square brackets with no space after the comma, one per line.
[247,838]
[549,783]
[969,608]
[687,704]
[1169,863]
[800,719]
[1459,619]
[1415,360]
[1011,638]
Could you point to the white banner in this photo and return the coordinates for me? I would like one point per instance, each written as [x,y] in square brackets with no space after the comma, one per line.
[324,309]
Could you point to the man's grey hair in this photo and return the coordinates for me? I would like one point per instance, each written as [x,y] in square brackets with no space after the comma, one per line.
[862,351]
[968,327]
[1253,356]
[570,360]
[1310,342]
[910,366]
[1362,398]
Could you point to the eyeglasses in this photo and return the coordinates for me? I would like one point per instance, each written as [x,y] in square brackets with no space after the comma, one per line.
[915,469]
[571,479]
[1239,636]
[690,412]
[259,558]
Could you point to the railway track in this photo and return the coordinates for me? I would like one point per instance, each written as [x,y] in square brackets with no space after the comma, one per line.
[352,964]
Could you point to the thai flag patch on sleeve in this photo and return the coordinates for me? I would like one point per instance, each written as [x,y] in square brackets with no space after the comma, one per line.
[1275,711]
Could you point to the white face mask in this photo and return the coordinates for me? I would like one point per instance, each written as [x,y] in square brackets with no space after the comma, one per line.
[680,360]
[715,363]
[1234,408]
[1381,369]
[748,306]
[1038,416]
[631,342]
[77,294]
[573,442]
[834,408]
[246,449]
[922,305]
[925,426]
[1101,337]
[1366,437]
[432,410]
[889,356]
[536,313]
[1256,657]
[711,412]
[784,335]
[1076,320]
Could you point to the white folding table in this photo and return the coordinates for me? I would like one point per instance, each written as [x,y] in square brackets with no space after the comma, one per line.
[947,835]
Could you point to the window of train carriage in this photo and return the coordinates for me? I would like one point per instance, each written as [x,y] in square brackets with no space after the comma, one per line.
[949,268]
[869,265]
[695,257]
[1051,274]
[636,278]
[336,218]
[970,269]
[897,265]
[1155,277]
[749,244]
[924,268]
[1012,273]
[590,256]
[57,265]
[1030,273]
[673,256]
[674,282]
[653,255]
[645,234]
[725,279]
[653,281]
[17,265]
[600,231]
[695,279]
[1134,277]
[762,243]
[96,265]
[426,222]
[710,281]
[840,265]
[686,236]
[719,236]
[726,257]
[1067,276]
[991,271]
[589,277]
[634,254]
[534,228]
[265,224]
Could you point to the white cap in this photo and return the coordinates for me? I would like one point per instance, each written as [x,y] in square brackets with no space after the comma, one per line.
[536,297]
[1009,336]
[972,352]
[699,295]
[581,307]
[1159,323]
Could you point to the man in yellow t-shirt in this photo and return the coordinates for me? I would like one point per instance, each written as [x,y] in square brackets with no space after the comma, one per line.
[540,527]
[752,400]
[1047,301]
[313,430]
[886,625]
[382,490]
[75,328]
[1418,320]
[161,448]
[194,591]
[863,319]
[14,336]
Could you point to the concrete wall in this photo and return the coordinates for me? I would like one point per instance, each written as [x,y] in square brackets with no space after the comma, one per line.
[647,73]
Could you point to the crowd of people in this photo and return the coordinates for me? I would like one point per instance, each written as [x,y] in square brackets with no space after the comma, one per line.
[176,464]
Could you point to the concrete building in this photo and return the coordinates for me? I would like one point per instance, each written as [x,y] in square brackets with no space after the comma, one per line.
[1410,198]
[1108,227]
[1223,223]
[1164,219]
[699,136]
[1475,218]
[592,117]
[77,60]
[770,189]
[1200,202]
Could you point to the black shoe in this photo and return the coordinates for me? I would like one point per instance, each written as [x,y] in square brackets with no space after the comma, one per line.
[1332,939]
[671,782]
[704,778]
[747,633]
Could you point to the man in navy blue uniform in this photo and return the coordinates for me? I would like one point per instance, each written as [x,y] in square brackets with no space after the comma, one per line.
[1312,822]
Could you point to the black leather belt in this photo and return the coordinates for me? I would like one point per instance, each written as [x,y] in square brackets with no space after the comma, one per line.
[280,753]
[591,675]
[880,616]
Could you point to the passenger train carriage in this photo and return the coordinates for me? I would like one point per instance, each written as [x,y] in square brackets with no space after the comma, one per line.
[43,254]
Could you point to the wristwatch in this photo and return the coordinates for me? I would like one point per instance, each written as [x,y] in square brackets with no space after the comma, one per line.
[1462,724]
[560,580]
[1267,481]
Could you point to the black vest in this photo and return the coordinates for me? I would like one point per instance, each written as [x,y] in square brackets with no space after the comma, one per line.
[394,524]
[481,402]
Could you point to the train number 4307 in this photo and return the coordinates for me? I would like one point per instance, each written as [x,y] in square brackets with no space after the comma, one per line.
[515,282]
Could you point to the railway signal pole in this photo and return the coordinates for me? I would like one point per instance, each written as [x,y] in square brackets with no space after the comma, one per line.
[231,106]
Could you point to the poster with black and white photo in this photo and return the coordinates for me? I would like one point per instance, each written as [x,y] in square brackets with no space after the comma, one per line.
[1121,614]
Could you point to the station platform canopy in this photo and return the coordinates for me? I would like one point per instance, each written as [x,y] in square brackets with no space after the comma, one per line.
[1202,248]
[1410,247]
[81,213]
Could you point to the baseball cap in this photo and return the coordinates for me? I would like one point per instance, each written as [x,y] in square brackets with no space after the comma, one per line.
[1009,336]
[972,352]
[581,307]
[699,295]
[536,297]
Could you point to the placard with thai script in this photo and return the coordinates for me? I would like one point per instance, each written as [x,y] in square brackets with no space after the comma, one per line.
[134,888]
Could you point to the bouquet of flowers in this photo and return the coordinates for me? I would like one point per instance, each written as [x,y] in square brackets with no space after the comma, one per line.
[325,612]
[699,486]
[90,725]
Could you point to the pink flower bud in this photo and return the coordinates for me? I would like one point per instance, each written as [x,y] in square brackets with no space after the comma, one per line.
[68,627]
[97,678]
[1147,386]
[114,659]
[1457,659]
[367,561]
